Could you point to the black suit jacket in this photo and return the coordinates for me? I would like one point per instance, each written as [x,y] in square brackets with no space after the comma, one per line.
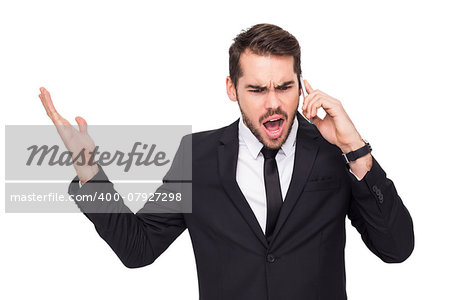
[305,260]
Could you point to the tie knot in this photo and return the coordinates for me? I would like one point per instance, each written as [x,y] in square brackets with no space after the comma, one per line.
[269,153]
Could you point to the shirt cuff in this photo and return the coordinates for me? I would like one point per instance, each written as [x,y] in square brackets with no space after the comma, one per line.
[359,179]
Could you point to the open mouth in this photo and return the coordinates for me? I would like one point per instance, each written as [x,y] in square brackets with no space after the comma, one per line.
[274,127]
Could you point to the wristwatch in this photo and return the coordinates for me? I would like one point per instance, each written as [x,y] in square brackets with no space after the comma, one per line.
[354,155]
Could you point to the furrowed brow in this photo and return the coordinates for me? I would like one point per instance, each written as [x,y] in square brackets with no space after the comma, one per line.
[256,87]
[285,84]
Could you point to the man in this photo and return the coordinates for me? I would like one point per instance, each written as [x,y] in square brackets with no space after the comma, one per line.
[270,192]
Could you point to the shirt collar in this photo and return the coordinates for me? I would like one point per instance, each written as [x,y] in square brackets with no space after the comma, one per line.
[255,146]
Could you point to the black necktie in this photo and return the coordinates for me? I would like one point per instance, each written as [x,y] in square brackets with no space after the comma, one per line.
[273,189]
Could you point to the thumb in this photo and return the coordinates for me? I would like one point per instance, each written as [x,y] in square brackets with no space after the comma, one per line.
[81,124]
[308,87]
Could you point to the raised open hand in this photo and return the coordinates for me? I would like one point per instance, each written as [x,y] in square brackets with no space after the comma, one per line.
[79,143]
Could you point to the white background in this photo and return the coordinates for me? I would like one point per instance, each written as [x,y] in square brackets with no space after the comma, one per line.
[143,62]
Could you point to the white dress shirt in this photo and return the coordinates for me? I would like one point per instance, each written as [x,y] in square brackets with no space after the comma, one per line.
[250,169]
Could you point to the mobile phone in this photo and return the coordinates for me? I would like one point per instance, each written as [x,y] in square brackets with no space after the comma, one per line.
[304,95]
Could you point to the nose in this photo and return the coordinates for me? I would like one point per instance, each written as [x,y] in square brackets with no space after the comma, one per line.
[272,99]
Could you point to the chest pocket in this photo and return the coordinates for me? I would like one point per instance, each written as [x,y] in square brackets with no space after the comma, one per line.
[330,183]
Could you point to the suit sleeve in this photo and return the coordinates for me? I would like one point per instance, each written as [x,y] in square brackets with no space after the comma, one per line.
[137,239]
[378,213]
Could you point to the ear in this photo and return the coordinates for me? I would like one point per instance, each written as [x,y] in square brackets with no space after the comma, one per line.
[231,90]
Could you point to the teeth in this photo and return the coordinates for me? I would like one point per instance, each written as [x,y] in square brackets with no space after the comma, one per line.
[274,120]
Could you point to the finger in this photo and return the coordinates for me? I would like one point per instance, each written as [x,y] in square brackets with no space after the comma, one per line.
[312,99]
[82,124]
[41,96]
[312,112]
[309,98]
[308,87]
[47,100]
[49,107]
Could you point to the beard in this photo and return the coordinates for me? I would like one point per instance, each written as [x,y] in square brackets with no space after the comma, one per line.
[269,113]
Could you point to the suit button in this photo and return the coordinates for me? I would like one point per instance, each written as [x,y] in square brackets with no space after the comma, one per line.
[378,193]
[270,258]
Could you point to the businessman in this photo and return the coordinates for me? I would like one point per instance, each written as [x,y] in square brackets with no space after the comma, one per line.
[270,192]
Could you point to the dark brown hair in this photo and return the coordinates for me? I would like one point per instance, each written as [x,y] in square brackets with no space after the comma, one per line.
[263,39]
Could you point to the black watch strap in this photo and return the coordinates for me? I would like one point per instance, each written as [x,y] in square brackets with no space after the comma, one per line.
[354,155]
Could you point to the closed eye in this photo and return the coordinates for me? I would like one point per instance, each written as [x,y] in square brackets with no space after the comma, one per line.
[284,87]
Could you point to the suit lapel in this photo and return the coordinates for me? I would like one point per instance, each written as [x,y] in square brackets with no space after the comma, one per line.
[228,155]
[305,154]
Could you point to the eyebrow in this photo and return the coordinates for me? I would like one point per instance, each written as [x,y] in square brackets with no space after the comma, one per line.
[264,88]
